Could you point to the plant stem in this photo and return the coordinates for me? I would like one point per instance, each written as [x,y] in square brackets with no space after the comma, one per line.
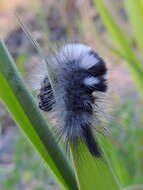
[24,111]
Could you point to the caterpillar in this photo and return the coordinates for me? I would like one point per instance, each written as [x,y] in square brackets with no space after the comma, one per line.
[79,73]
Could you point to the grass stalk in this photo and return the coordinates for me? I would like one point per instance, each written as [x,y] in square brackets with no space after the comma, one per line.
[134,11]
[93,172]
[122,44]
[24,111]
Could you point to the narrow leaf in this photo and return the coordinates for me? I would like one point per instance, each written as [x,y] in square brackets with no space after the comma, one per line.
[93,172]
[122,43]
[134,10]
[24,111]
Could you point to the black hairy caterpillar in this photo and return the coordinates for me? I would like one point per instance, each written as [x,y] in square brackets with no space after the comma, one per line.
[79,72]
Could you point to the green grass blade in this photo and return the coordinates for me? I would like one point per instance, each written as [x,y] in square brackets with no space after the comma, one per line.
[134,11]
[91,172]
[120,39]
[118,165]
[122,43]
[24,111]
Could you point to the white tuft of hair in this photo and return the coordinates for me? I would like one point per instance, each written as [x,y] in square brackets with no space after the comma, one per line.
[88,62]
[91,81]
[74,51]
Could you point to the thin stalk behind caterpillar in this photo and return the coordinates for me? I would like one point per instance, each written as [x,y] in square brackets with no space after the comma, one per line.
[38,48]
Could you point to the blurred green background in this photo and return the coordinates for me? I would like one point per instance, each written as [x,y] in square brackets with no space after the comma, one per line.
[58,21]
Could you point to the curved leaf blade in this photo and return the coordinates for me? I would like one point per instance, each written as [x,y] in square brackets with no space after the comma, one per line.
[23,109]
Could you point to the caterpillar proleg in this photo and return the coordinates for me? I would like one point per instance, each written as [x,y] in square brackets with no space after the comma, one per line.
[79,72]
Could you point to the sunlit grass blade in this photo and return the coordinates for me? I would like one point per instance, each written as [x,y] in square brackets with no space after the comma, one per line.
[134,11]
[122,43]
[93,172]
[24,111]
